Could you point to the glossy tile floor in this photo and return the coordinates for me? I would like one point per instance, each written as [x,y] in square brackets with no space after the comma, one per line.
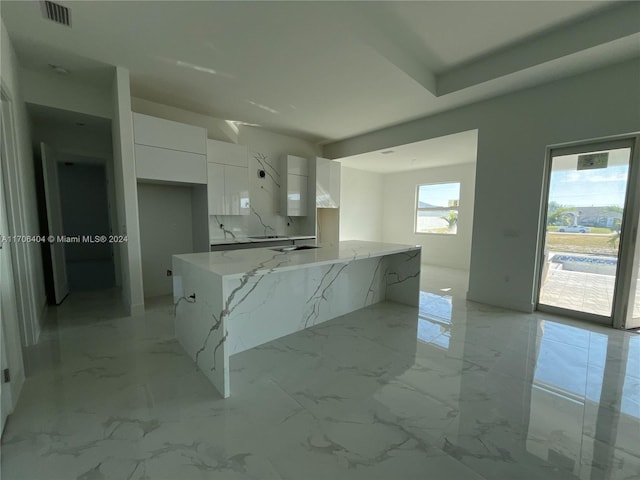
[453,390]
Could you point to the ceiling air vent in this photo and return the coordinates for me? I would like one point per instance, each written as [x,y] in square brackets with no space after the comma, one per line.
[56,13]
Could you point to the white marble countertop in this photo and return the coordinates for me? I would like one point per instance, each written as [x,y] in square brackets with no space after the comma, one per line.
[256,261]
[238,239]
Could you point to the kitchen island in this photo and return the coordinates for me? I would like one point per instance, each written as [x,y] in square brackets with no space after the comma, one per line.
[231,301]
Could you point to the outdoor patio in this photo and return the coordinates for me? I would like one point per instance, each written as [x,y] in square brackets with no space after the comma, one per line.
[587,292]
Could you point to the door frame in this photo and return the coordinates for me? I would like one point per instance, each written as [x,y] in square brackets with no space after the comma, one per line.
[16,222]
[628,229]
[55,223]
[628,239]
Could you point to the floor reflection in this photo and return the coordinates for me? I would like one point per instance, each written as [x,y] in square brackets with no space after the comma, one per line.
[536,397]
[585,403]
[434,319]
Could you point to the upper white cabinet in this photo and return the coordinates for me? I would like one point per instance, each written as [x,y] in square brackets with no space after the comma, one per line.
[169,151]
[161,164]
[327,183]
[228,178]
[158,132]
[215,189]
[297,166]
[296,189]
[236,190]
[227,153]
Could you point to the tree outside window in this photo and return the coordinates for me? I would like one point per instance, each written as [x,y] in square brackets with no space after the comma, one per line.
[437,208]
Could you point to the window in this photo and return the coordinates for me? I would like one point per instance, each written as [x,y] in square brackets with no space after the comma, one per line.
[437,208]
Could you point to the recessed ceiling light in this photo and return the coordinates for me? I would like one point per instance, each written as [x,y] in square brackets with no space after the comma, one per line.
[58,69]
[387,152]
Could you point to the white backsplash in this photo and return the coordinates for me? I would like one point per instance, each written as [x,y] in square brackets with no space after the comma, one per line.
[265,218]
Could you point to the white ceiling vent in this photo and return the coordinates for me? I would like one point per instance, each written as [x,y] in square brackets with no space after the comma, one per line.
[56,13]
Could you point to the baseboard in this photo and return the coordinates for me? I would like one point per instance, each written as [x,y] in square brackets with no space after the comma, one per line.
[527,307]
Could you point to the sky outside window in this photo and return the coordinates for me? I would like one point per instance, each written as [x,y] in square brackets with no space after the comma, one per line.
[584,188]
[438,195]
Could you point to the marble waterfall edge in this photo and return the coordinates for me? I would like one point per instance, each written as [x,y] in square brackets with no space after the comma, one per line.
[235,312]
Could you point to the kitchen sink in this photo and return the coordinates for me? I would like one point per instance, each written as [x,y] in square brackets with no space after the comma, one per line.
[293,248]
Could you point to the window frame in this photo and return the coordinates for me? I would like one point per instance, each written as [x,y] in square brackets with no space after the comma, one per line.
[419,209]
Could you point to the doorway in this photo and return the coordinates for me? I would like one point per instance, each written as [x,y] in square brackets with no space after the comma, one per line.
[73,162]
[589,236]
[85,213]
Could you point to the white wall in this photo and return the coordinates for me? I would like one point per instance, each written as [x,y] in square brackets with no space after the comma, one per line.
[514,131]
[53,90]
[165,229]
[126,194]
[361,205]
[398,214]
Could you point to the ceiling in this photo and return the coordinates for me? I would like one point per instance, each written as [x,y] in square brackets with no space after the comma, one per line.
[86,137]
[453,149]
[75,121]
[320,70]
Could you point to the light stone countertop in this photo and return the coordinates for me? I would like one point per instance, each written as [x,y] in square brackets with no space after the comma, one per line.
[257,261]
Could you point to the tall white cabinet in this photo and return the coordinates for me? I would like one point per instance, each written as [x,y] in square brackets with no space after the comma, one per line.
[327,201]
[168,151]
[171,171]
[228,178]
[296,191]
[327,183]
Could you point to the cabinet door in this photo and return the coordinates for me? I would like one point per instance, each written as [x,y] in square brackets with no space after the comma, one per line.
[227,153]
[323,183]
[154,163]
[296,195]
[236,190]
[297,165]
[215,189]
[158,132]
[327,183]
[334,183]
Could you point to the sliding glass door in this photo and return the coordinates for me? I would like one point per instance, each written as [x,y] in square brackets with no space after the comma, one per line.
[588,195]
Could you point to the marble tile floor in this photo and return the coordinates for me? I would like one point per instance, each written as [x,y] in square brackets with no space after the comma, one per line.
[452,390]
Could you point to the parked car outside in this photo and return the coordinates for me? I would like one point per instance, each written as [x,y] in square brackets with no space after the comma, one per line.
[575,229]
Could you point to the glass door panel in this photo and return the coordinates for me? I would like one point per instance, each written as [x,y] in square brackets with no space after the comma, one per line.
[587,193]
[632,319]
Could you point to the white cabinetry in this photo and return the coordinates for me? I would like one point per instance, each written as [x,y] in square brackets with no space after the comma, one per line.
[228,178]
[158,132]
[294,199]
[154,163]
[169,151]
[327,183]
